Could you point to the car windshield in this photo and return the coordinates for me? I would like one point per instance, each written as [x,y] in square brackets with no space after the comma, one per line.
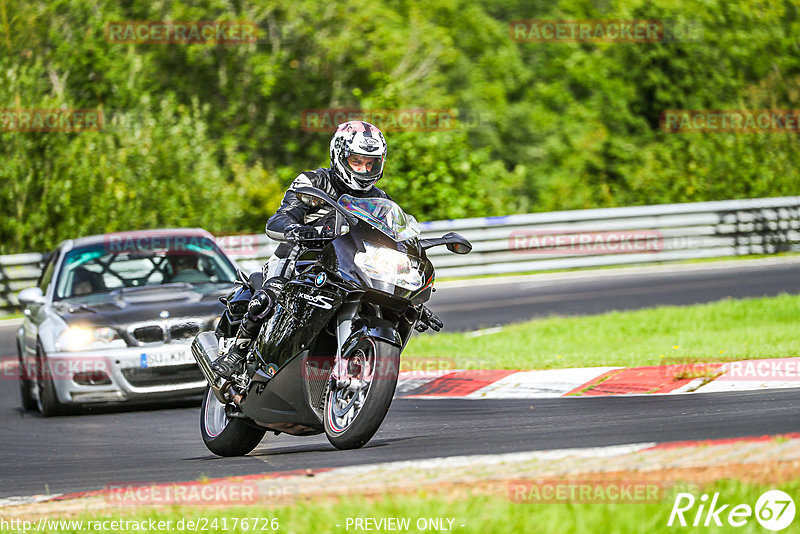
[384,215]
[142,262]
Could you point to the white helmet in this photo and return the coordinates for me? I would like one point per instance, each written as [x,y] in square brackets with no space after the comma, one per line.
[358,152]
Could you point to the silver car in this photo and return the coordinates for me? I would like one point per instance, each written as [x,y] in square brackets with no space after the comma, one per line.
[112,317]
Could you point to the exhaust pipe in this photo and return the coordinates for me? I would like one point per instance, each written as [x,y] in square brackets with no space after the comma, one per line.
[205,348]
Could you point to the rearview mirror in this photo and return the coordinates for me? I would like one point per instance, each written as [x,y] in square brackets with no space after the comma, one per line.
[454,242]
[457,243]
[459,248]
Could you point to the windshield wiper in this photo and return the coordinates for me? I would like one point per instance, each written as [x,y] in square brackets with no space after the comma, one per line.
[72,308]
[151,287]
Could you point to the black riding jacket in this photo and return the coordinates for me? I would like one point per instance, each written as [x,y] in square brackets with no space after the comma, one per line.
[292,211]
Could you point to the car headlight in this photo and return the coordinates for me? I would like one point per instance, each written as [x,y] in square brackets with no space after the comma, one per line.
[387,265]
[79,338]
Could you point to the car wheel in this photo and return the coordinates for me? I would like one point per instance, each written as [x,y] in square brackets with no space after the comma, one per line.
[25,385]
[47,400]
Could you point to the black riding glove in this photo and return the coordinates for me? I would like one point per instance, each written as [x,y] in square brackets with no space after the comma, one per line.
[299,232]
[428,319]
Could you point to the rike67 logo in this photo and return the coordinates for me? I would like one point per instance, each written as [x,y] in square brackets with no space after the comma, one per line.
[774,510]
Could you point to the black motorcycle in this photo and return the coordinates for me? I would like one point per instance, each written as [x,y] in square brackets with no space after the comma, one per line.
[327,359]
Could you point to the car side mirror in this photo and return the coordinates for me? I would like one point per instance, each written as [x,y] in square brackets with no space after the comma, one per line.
[31,296]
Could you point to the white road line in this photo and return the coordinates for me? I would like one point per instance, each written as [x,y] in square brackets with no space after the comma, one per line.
[30,499]
[494,459]
[484,331]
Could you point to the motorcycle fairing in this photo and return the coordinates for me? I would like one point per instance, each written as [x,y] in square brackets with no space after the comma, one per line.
[280,404]
[300,313]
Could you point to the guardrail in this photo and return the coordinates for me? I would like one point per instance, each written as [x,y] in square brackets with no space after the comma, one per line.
[555,240]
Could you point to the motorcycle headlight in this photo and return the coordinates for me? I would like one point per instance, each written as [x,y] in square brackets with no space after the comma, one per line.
[387,265]
[79,338]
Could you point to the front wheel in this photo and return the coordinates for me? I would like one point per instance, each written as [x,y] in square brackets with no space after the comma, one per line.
[354,412]
[46,398]
[224,435]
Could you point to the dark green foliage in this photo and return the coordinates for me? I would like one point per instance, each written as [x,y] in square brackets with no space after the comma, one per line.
[210,135]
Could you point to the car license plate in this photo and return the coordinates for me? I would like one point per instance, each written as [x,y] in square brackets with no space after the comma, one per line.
[161,359]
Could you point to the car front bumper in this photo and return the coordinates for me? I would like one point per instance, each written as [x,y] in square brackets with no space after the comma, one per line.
[125,374]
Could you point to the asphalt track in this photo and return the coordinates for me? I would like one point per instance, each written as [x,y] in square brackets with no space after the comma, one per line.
[87,452]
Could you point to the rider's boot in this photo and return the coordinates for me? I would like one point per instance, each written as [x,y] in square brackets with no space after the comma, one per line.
[259,309]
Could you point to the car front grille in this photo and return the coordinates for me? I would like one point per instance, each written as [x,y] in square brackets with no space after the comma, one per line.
[165,331]
[183,331]
[163,376]
[149,334]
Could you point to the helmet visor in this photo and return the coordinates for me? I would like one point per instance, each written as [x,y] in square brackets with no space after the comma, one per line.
[364,166]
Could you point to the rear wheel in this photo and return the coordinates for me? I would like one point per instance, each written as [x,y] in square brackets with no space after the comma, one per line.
[354,412]
[25,384]
[224,435]
[47,400]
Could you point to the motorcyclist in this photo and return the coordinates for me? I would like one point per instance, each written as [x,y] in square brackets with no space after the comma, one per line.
[358,155]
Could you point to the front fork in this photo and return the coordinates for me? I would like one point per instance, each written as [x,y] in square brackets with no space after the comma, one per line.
[344,326]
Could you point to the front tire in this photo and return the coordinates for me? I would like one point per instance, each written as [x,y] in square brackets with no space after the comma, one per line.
[353,417]
[223,435]
[47,399]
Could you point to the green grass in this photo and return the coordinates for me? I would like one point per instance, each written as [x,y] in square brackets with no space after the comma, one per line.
[478,514]
[721,331]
